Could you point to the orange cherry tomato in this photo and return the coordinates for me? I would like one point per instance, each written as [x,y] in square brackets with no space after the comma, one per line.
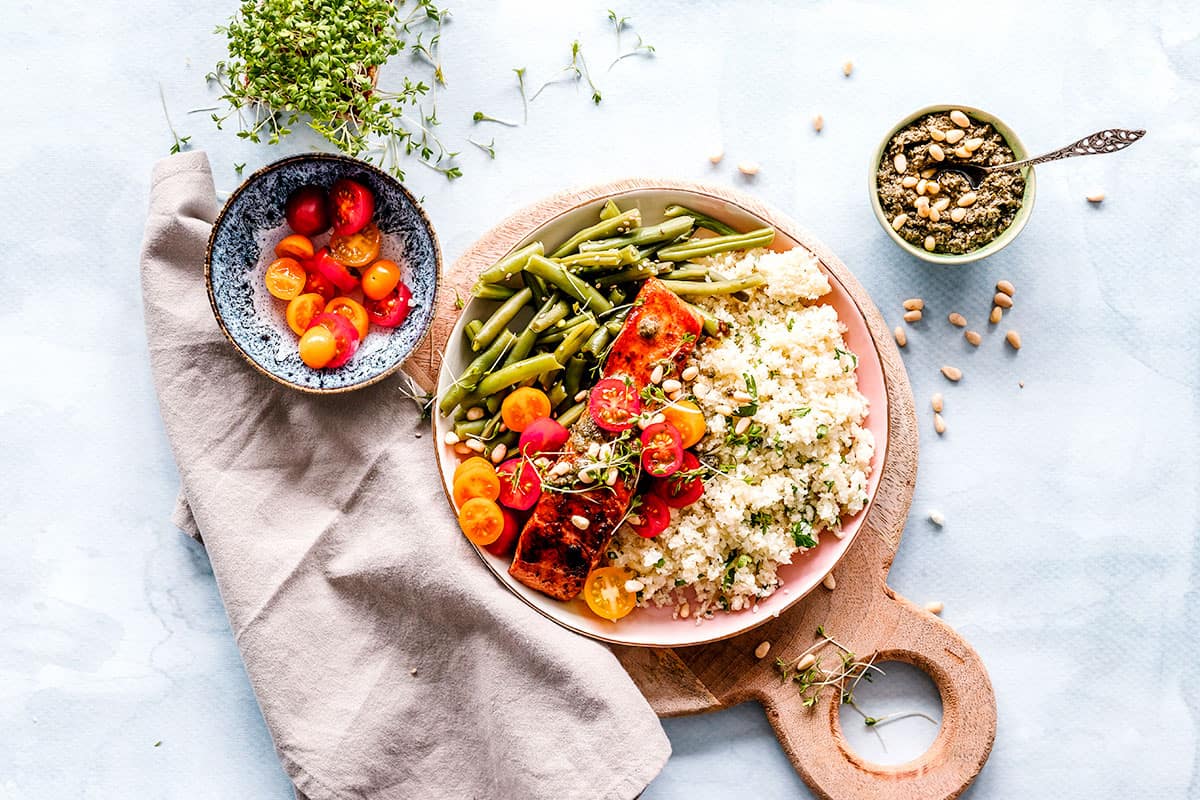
[474,462]
[688,420]
[477,482]
[295,246]
[606,595]
[318,346]
[357,249]
[481,520]
[285,278]
[302,309]
[351,310]
[380,278]
[523,406]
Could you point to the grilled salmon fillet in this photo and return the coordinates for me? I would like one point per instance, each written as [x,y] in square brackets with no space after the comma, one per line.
[554,555]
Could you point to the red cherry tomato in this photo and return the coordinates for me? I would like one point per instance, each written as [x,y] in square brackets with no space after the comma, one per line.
[351,205]
[344,335]
[662,449]
[520,486]
[332,270]
[319,284]
[392,310]
[507,542]
[307,211]
[614,404]
[684,487]
[650,517]
[543,435]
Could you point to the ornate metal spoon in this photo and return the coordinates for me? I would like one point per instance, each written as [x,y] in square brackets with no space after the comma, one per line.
[1109,141]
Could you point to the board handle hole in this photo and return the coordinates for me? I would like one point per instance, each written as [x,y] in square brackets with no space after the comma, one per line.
[904,708]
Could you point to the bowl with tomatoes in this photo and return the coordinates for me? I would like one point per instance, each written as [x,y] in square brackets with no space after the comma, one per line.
[322,271]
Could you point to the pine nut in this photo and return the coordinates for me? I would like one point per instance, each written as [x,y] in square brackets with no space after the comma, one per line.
[560,469]
[937,517]
[962,152]
[914,304]
[933,188]
[700,390]
[656,375]
[922,185]
[1014,340]
[929,173]
[922,203]
[499,452]
[973,337]
[580,522]
[475,413]
[761,651]
[939,424]
[657,419]
[593,450]
[462,449]
[996,315]
[930,243]
[634,519]
[959,118]
[937,135]
[952,373]
[935,606]
[586,476]
[848,68]
[957,214]
[900,162]
[690,373]
[671,385]
[1002,300]
[451,437]
[952,136]
[829,582]
[957,319]
[742,426]
[742,397]
[581,395]
[967,200]
[611,477]
[912,316]
[973,144]
[684,610]
[749,168]
[937,402]
[909,181]
[934,214]
[736,603]
[806,663]
[818,123]
[936,152]
[923,211]
[1096,197]
[716,156]
[723,410]
[475,445]
[898,221]
[634,585]
[901,336]
[1006,287]
[942,204]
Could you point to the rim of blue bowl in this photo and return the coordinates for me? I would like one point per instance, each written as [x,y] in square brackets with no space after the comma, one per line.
[358,164]
[995,245]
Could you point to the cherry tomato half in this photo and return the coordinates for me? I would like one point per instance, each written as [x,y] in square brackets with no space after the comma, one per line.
[524,405]
[285,278]
[520,486]
[474,462]
[351,205]
[295,246]
[380,278]
[684,487]
[481,520]
[320,285]
[301,311]
[543,436]
[351,310]
[479,481]
[317,347]
[331,270]
[357,249]
[307,211]
[343,333]
[614,404]
[391,311]
[507,542]
[662,453]
[688,420]
[606,595]
[650,517]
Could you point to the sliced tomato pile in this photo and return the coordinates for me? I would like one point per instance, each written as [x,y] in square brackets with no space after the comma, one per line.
[335,292]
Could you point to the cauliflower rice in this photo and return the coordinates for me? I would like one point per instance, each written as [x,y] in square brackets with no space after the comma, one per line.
[800,467]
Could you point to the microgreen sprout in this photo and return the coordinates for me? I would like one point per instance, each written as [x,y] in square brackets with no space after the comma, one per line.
[641,48]
[524,100]
[489,148]
[479,116]
[238,168]
[181,142]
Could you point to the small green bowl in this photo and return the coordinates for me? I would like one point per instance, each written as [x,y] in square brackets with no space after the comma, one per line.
[995,245]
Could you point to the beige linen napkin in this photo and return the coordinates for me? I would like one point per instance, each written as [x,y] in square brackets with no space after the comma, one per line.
[387,661]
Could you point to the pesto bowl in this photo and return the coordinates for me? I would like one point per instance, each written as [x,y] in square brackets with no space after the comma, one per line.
[995,245]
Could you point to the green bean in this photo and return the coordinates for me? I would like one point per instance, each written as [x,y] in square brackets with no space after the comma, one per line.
[598,258]
[493,424]
[621,223]
[702,220]
[492,291]
[614,326]
[508,439]
[511,264]
[712,325]
[472,328]
[695,248]
[557,394]
[716,276]
[695,272]
[572,414]
[471,377]
[538,286]
[610,210]
[664,231]
[575,287]
[472,428]
[500,319]
[521,348]
[560,332]
[638,273]
[574,341]
[705,288]
[515,373]
[617,295]
[492,404]
[597,342]
[573,377]
[553,310]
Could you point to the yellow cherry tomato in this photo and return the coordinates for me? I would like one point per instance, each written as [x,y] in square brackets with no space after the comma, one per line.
[606,595]
[302,309]
[481,520]
[317,346]
[380,279]
[523,406]
[688,420]
[285,278]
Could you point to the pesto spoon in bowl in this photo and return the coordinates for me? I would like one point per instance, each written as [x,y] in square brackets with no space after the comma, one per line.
[1106,141]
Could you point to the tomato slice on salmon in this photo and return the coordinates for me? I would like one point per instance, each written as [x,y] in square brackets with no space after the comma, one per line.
[662,451]
[650,516]
[614,404]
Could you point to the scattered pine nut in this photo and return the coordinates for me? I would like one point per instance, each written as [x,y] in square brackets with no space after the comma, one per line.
[1006,287]
[742,397]
[829,582]
[922,185]
[930,243]
[962,152]
[749,168]
[901,336]
[761,651]
[957,319]
[716,156]
[935,606]
[1014,340]
[806,662]
[900,162]
[967,199]
[684,610]
[899,221]
[959,118]
[937,135]
[973,337]
[929,172]
[634,585]
[936,152]
[818,123]
[412,671]
[1096,197]
[914,304]
[933,187]
[671,385]
[475,413]
[1002,300]
[952,373]
[581,395]
[580,522]
[475,445]
[939,205]
[499,452]
[848,68]
[934,214]
[742,426]
[958,214]
[996,315]
[451,437]
[952,136]
[937,517]
[922,205]
[912,316]
[690,373]
[909,181]
[937,401]
[939,424]
[656,375]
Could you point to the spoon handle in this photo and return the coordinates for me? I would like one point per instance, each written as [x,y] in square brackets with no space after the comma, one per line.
[1109,141]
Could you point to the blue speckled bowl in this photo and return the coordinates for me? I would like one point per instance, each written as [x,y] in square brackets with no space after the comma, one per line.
[242,245]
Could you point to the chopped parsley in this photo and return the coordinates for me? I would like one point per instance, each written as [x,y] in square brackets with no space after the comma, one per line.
[802,536]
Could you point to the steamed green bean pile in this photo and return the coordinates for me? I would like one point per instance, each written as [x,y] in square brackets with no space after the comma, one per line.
[557,313]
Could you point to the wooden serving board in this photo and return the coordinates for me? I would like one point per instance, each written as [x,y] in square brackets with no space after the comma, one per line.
[863,612]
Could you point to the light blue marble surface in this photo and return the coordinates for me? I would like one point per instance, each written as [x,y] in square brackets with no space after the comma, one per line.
[1069,554]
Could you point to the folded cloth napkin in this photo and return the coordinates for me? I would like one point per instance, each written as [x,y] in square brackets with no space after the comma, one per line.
[387,661]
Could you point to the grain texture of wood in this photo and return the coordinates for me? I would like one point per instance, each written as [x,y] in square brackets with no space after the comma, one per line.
[863,613]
